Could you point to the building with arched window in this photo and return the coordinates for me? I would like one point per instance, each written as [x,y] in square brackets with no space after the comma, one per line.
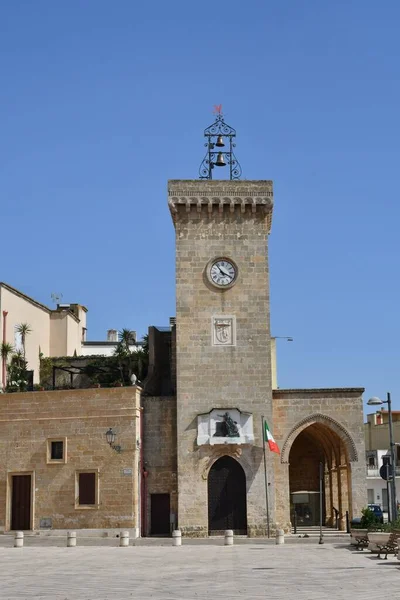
[192,438]
[222,386]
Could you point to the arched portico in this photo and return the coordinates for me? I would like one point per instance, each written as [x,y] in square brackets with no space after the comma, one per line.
[319,439]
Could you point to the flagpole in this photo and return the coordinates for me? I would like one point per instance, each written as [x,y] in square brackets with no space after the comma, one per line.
[265,474]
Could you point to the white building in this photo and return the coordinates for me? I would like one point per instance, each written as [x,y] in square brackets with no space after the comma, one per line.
[53,332]
[376,486]
[377,446]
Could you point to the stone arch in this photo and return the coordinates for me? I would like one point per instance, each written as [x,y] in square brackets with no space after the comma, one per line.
[234,452]
[328,422]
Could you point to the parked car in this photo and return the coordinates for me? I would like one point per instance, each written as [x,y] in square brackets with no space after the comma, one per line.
[376,509]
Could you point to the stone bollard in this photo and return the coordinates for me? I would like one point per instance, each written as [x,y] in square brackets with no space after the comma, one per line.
[71,539]
[19,539]
[280,536]
[228,540]
[124,539]
[176,538]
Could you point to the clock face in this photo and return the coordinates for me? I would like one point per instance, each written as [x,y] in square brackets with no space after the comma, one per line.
[222,272]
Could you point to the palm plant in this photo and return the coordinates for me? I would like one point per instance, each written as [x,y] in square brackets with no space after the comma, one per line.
[23,329]
[6,350]
[126,339]
[17,375]
[130,361]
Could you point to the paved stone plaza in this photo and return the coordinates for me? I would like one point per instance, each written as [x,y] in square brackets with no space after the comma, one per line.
[196,572]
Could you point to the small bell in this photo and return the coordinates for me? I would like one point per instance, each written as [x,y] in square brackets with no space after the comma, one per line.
[220,142]
[220,162]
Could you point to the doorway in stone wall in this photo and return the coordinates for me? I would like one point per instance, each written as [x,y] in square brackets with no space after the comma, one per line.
[227,507]
[160,514]
[21,494]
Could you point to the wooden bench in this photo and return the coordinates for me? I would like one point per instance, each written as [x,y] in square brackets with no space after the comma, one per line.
[391,546]
[361,540]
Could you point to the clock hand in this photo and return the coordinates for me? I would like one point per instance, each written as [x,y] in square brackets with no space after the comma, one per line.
[224,272]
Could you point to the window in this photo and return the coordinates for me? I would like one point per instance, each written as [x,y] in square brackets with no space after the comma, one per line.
[87,489]
[371,461]
[57,450]
[371,496]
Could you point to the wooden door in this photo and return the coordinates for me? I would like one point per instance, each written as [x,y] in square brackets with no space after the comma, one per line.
[21,502]
[227,497]
[160,511]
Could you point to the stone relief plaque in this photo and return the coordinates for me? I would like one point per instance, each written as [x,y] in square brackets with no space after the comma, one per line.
[225,426]
[223,330]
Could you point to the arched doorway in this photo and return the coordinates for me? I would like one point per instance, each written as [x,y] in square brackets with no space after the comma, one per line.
[227,497]
[319,452]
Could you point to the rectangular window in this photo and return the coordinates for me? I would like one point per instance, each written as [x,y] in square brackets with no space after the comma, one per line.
[57,450]
[87,489]
[371,496]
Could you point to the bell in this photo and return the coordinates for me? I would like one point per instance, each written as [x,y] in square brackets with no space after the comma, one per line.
[220,162]
[220,142]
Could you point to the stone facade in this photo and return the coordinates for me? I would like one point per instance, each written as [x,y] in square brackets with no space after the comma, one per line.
[210,382]
[232,219]
[221,219]
[333,422]
[159,452]
[28,421]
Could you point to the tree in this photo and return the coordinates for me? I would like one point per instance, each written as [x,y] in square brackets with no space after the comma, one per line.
[126,339]
[6,350]
[17,373]
[23,329]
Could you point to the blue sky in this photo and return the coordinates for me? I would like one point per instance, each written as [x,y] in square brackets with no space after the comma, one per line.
[102,102]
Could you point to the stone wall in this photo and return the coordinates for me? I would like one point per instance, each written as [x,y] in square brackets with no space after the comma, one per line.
[340,412]
[159,451]
[304,466]
[81,417]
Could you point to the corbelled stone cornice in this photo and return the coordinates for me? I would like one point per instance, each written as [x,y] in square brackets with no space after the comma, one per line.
[220,195]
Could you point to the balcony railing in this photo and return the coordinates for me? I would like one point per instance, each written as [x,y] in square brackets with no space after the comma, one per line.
[374,471]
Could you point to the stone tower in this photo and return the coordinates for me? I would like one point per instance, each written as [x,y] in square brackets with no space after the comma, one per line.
[223,353]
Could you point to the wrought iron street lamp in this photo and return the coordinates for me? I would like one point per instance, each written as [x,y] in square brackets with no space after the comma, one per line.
[375,401]
[111,437]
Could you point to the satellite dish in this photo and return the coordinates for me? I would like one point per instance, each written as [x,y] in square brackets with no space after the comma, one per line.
[133,379]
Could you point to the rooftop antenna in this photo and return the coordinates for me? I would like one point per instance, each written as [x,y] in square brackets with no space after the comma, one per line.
[56,297]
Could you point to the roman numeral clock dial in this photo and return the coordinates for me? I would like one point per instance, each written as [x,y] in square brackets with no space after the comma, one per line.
[222,272]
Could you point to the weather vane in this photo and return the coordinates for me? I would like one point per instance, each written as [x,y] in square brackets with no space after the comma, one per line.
[215,157]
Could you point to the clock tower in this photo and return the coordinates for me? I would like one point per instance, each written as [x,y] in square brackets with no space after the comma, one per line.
[223,354]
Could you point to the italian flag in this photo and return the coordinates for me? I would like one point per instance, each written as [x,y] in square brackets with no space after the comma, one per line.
[268,437]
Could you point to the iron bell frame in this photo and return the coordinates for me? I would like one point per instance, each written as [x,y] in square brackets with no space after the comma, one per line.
[219,129]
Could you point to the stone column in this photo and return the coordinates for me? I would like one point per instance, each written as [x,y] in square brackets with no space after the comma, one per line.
[282,496]
[330,517]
